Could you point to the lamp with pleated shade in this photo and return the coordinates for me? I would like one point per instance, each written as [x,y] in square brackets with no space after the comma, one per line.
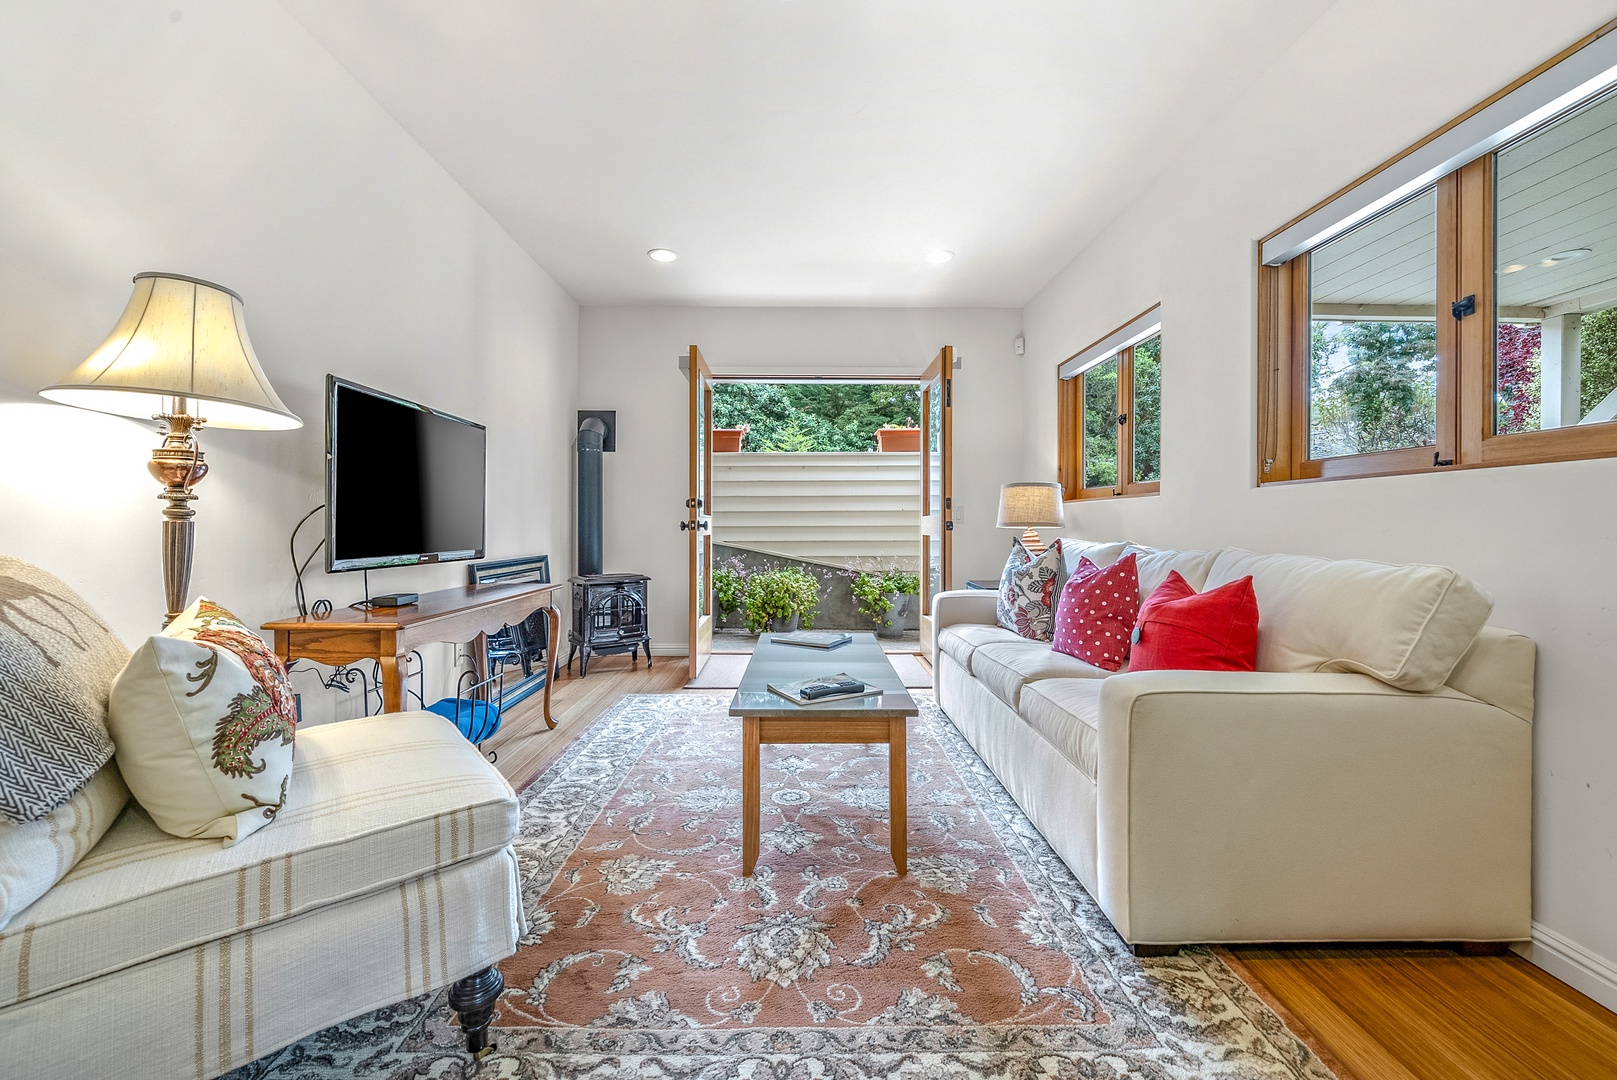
[180,355]
[1031,505]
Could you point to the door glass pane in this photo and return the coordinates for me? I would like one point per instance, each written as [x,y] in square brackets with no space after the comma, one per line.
[1100,425]
[1373,337]
[1145,417]
[1555,362]
[934,481]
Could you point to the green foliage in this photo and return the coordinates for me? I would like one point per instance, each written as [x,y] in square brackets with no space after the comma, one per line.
[729,586]
[871,589]
[1146,417]
[814,416]
[779,594]
[1598,333]
[1100,425]
[1374,386]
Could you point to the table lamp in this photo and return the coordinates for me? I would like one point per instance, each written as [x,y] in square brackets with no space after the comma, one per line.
[179,355]
[1030,505]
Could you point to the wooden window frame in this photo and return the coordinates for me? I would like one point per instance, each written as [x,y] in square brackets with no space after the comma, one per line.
[1070,426]
[1466,369]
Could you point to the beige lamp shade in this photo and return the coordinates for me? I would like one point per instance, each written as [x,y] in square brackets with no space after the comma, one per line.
[179,338]
[1031,505]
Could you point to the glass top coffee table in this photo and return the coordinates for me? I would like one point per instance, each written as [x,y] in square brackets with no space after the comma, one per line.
[766,717]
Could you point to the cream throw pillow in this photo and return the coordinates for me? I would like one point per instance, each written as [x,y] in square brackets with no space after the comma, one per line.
[203,718]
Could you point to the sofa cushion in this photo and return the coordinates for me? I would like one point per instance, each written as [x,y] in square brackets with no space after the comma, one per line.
[1096,613]
[1027,592]
[34,855]
[1005,667]
[57,663]
[1405,625]
[1102,553]
[961,640]
[1181,629]
[1152,567]
[1067,713]
[375,802]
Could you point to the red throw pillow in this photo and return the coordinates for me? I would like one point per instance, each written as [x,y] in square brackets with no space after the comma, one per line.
[1180,629]
[1097,612]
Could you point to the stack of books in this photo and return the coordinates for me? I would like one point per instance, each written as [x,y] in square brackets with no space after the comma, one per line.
[814,639]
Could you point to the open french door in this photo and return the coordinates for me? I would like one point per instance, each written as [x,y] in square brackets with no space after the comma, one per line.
[937,468]
[699,511]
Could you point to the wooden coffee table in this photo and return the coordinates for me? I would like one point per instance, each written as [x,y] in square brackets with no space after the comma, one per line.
[766,717]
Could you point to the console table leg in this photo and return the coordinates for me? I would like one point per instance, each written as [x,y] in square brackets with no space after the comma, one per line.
[553,621]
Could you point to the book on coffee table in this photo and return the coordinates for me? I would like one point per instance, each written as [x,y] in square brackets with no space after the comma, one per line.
[822,688]
[815,639]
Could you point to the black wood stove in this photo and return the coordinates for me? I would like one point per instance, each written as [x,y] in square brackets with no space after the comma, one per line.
[609,616]
[609,610]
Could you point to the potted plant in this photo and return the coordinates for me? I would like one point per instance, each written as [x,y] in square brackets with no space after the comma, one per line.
[783,600]
[899,438]
[727,440]
[888,598]
[729,590]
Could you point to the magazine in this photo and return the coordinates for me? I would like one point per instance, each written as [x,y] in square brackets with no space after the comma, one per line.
[822,688]
[814,639]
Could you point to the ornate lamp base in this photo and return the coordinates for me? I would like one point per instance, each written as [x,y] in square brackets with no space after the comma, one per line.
[1031,541]
[178,465]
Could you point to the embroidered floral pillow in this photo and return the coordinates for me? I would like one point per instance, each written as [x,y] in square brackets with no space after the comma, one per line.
[1027,589]
[203,719]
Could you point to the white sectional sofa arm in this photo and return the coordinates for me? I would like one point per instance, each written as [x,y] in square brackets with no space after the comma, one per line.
[961,606]
[1252,806]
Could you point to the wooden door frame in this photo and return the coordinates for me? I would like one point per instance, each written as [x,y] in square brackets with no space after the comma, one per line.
[699,511]
[941,369]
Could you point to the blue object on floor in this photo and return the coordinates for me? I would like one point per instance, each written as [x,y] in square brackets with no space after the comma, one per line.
[477,720]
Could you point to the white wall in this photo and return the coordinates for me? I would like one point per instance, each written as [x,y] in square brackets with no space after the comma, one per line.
[628,361]
[1368,79]
[221,141]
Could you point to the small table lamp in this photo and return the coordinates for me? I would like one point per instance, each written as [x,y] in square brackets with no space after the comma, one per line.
[180,349]
[1030,505]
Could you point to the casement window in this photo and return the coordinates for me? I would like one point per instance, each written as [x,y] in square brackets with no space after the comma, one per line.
[1110,409]
[1458,307]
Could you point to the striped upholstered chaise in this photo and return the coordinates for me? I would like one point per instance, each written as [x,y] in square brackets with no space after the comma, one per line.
[388,874]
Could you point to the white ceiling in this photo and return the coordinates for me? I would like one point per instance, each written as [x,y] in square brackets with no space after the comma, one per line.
[804,152]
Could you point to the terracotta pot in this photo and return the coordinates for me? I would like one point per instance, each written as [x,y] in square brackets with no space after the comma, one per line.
[898,440]
[728,440]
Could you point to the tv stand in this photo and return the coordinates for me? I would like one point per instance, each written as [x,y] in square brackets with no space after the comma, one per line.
[387,635]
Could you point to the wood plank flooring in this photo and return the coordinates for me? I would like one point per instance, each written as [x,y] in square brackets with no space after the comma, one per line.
[1382,1013]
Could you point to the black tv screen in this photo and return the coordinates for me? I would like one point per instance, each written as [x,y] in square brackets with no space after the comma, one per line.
[404,483]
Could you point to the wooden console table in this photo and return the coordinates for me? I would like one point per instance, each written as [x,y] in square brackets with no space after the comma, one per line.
[387,635]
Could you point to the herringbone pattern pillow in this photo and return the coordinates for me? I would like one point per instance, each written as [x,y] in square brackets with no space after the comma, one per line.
[57,664]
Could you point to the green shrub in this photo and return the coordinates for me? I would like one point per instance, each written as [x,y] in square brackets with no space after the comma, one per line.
[780,594]
[871,589]
[729,586]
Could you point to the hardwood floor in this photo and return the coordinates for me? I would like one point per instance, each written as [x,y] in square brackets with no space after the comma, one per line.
[1382,1013]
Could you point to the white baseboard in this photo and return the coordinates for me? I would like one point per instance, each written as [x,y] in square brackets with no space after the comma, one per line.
[671,650]
[1574,965]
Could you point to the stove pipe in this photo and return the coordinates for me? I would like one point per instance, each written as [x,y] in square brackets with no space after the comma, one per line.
[591,440]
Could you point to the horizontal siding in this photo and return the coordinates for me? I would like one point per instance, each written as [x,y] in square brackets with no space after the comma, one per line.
[835,508]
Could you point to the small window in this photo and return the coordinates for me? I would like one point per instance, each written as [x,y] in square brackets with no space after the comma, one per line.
[1457,308]
[1111,414]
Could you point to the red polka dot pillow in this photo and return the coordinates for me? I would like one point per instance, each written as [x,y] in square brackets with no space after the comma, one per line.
[1096,613]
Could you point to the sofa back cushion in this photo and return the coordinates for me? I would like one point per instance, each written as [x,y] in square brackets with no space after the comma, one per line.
[1153,566]
[1405,625]
[1102,553]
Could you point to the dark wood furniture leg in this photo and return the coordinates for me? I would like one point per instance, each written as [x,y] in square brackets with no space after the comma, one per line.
[1154,950]
[553,619]
[473,1000]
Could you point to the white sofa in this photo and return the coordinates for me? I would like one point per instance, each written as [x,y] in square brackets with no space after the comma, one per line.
[1370,782]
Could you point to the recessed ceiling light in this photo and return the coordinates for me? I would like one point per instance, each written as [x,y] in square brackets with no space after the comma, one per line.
[940,256]
[663,254]
[1564,256]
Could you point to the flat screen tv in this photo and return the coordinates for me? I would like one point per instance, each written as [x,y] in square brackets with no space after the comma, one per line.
[404,483]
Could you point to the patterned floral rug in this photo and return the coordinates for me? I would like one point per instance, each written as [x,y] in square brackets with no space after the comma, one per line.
[649,956]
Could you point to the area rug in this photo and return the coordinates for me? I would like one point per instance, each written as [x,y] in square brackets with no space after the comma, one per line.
[723,671]
[649,956]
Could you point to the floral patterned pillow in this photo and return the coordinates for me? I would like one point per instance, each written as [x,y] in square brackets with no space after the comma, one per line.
[203,719]
[1027,591]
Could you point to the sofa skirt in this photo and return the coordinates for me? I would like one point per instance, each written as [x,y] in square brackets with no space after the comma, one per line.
[208,1009]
